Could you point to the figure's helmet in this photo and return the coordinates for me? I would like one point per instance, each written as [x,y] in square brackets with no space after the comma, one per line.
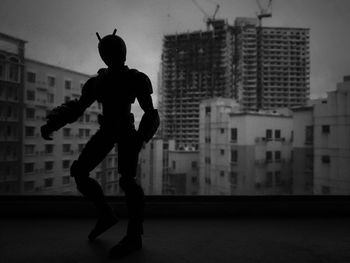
[112,49]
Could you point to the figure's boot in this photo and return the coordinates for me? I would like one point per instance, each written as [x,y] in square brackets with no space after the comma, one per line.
[103,223]
[91,189]
[128,245]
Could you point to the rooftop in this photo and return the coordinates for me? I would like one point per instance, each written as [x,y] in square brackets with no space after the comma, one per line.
[180,240]
[181,229]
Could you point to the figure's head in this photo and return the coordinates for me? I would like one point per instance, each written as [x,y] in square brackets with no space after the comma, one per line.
[112,50]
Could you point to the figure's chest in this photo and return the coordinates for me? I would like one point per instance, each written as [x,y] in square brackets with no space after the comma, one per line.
[116,90]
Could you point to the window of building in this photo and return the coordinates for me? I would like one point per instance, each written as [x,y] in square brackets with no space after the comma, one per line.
[67,84]
[268,156]
[29,131]
[207,110]
[194,164]
[30,95]
[87,132]
[326,159]
[269,178]
[29,149]
[66,132]
[66,148]
[50,97]
[326,129]
[49,148]
[28,186]
[233,178]
[49,165]
[28,167]
[233,134]
[309,135]
[51,81]
[81,133]
[309,162]
[2,67]
[31,77]
[222,130]
[278,155]
[14,70]
[222,151]
[66,98]
[234,156]
[87,118]
[268,134]
[65,164]
[48,182]
[277,177]
[222,173]
[66,179]
[174,165]
[30,113]
[277,134]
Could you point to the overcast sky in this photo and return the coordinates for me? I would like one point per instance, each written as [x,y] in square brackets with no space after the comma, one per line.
[62,32]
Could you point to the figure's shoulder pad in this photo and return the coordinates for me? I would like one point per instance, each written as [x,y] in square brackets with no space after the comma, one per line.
[90,85]
[142,81]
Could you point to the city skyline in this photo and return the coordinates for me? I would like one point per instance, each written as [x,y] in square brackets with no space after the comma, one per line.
[47,26]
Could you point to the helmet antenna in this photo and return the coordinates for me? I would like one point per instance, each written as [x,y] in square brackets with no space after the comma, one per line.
[114,31]
[98,36]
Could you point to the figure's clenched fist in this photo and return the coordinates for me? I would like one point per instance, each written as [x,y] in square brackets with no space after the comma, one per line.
[46,132]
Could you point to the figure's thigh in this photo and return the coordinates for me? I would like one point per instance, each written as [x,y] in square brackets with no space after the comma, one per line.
[128,155]
[95,150]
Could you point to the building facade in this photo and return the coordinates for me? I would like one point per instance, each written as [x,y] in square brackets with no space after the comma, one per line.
[332,142]
[46,164]
[261,68]
[12,51]
[242,152]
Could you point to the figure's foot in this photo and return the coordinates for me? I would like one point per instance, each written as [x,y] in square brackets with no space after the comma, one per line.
[126,246]
[102,225]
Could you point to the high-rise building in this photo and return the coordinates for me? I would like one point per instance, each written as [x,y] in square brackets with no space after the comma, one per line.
[11,104]
[227,61]
[272,65]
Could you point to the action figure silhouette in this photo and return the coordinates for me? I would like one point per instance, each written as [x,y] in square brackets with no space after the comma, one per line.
[116,88]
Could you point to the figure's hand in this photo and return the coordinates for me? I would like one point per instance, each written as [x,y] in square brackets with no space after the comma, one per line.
[46,132]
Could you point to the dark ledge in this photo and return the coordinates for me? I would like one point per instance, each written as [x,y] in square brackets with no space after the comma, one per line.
[181,206]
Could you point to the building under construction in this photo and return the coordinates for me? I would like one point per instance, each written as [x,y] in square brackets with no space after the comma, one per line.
[260,67]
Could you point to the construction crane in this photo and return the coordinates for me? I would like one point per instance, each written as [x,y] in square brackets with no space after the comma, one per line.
[265,12]
[207,18]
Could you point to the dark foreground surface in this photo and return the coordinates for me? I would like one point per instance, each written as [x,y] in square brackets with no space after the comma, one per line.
[181,240]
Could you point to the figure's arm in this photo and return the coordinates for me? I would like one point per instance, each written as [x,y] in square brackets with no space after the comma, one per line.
[69,111]
[150,119]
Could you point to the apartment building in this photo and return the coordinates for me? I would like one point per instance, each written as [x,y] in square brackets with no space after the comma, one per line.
[163,170]
[259,67]
[46,164]
[242,152]
[153,165]
[183,176]
[332,142]
[12,52]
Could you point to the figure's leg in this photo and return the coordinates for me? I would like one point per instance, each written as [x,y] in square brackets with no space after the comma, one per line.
[94,152]
[134,195]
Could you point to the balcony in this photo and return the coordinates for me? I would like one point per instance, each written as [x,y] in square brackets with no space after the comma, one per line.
[181,229]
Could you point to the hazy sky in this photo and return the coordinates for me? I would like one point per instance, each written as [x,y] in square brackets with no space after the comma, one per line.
[62,32]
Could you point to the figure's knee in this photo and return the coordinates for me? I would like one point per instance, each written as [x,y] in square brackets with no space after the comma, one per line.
[129,185]
[80,176]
